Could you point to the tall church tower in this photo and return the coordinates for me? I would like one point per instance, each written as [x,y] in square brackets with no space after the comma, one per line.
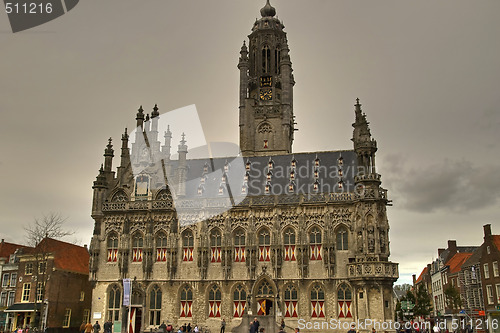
[266,89]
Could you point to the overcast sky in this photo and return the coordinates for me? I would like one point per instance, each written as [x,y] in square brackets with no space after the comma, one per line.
[427,74]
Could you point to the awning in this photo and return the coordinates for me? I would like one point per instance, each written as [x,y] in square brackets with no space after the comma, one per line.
[21,307]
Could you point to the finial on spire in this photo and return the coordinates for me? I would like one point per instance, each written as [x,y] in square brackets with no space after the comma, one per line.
[268,10]
[140,109]
[183,141]
[155,112]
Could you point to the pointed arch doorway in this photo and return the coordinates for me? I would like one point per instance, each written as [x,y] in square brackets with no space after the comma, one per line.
[265,297]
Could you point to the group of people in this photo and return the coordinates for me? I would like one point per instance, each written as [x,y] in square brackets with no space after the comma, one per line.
[96,328]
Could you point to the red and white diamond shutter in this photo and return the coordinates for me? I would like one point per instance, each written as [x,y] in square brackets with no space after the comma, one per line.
[239,245]
[344,299]
[187,245]
[112,244]
[161,247]
[315,243]
[137,244]
[291,301]
[215,245]
[214,301]
[264,245]
[289,242]
[317,302]
[239,301]
[186,302]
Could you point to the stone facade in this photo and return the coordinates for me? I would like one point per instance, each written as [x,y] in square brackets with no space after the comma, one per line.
[293,236]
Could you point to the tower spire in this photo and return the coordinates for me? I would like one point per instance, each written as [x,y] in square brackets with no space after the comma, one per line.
[268,10]
[108,156]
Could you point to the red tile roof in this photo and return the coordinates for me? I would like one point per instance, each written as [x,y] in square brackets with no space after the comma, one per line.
[496,241]
[67,256]
[421,276]
[6,249]
[456,262]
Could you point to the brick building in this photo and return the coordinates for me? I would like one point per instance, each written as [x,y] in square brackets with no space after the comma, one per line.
[53,289]
[489,260]
[9,258]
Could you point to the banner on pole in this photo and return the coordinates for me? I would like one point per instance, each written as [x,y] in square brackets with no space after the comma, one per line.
[126,292]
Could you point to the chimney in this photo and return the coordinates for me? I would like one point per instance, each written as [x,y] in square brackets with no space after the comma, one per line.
[452,246]
[440,251]
[85,246]
[486,228]
[2,240]
[414,277]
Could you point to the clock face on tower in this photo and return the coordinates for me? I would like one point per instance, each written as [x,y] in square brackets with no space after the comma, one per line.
[266,94]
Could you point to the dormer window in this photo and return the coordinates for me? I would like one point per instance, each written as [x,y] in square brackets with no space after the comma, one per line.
[269,176]
[270,164]
[316,162]
[248,165]
[316,186]
[205,168]
[292,175]
[226,167]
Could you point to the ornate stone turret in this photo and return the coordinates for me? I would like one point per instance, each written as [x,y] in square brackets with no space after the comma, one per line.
[365,147]
[243,67]
[165,149]
[182,166]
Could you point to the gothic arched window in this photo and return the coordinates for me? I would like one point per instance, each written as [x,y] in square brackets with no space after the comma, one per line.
[264,245]
[186,302]
[342,239]
[277,60]
[289,242]
[239,245]
[291,300]
[114,303]
[137,244]
[119,196]
[214,301]
[344,299]
[239,301]
[315,243]
[112,244]
[215,245]
[155,306]
[161,246]
[317,302]
[264,292]
[266,59]
[187,245]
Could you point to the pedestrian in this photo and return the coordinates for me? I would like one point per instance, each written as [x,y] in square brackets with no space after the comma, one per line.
[88,327]
[352,330]
[163,327]
[254,326]
[108,326]
[189,328]
[196,329]
[297,330]
[82,327]
[97,327]
[223,326]
[282,326]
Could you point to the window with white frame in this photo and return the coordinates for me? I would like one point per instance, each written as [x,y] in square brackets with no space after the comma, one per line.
[39,292]
[3,298]
[486,271]
[82,296]
[42,267]
[12,296]
[497,286]
[67,318]
[495,268]
[26,292]
[489,293]
[5,280]
[86,316]
[13,278]
[28,269]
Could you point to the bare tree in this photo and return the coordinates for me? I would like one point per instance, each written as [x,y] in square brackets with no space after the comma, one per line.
[50,225]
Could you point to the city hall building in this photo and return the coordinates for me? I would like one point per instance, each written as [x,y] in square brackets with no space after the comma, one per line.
[269,233]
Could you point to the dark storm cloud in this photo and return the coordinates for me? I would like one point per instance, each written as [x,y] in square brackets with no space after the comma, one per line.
[448,185]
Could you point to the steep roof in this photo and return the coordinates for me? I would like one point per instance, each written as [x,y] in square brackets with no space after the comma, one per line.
[421,276]
[474,258]
[67,256]
[456,262]
[6,249]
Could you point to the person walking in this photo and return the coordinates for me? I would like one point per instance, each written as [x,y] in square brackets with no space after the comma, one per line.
[97,327]
[82,327]
[223,326]
[163,327]
[88,328]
